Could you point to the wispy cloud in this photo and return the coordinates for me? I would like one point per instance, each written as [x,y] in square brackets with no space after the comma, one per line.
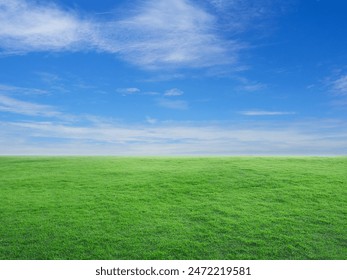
[248,85]
[248,14]
[173,104]
[265,113]
[135,91]
[22,90]
[318,137]
[12,105]
[340,85]
[151,120]
[173,92]
[170,33]
[252,87]
[48,78]
[27,26]
[128,91]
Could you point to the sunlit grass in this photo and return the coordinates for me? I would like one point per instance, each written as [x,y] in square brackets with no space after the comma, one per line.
[173,208]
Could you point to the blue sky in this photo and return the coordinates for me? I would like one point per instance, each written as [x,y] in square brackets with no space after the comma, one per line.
[173,77]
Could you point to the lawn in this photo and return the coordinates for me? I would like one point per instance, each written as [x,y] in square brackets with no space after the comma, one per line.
[173,208]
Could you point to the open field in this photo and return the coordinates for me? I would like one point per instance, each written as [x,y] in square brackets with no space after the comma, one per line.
[173,208]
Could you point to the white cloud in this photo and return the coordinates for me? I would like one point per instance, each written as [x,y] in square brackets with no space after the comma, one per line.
[340,85]
[11,105]
[134,90]
[27,26]
[252,87]
[318,137]
[48,78]
[128,91]
[173,92]
[158,33]
[151,120]
[173,104]
[265,113]
[241,15]
[171,33]
[22,90]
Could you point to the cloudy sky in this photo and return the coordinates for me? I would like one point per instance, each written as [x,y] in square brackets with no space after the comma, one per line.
[173,77]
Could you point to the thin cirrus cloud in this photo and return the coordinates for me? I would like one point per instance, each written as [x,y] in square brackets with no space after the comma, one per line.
[22,90]
[128,91]
[252,87]
[135,91]
[12,105]
[27,26]
[172,104]
[265,113]
[173,92]
[175,138]
[249,14]
[172,33]
[151,120]
[248,85]
[175,33]
[340,85]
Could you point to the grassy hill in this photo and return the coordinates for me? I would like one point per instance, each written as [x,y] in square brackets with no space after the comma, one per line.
[173,208]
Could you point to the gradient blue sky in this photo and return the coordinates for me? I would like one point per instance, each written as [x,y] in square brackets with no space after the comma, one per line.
[173,77]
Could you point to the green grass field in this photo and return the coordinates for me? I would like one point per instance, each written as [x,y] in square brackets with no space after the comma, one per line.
[173,208]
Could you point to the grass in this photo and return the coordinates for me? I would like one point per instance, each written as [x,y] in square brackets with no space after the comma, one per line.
[173,208]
